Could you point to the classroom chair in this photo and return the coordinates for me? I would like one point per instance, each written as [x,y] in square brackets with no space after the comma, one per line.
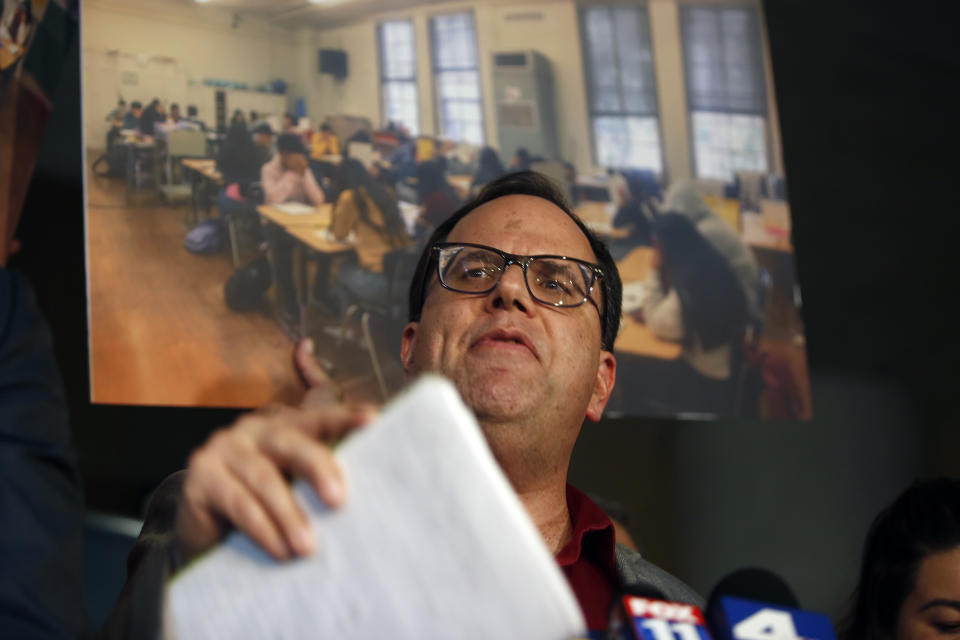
[399,265]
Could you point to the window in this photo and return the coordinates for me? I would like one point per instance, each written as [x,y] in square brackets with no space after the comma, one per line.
[457,76]
[726,92]
[398,74]
[623,95]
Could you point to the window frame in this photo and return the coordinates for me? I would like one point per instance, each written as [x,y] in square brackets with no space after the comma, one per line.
[592,113]
[413,80]
[438,100]
[764,113]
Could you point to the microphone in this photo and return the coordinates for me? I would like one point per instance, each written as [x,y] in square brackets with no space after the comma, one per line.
[756,604]
[642,612]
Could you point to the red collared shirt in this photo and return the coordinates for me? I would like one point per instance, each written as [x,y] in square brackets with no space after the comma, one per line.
[588,560]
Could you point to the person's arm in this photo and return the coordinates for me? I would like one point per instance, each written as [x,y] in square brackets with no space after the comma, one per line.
[344,215]
[278,184]
[239,479]
[661,310]
[41,502]
[314,192]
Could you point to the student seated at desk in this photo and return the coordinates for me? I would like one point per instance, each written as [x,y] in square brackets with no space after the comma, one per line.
[174,116]
[636,213]
[438,198]
[521,160]
[153,114]
[694,298]
[287,178]
[324,142]
[366,209]
[489,168]
[116,115]
[240,162]
[131,119]
[192,120]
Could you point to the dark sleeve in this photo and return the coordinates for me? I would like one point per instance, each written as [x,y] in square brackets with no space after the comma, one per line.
[41,502]
[138,612]
[623,217]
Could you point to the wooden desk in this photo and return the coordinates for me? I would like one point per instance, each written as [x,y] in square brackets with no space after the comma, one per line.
[726,208]
[206,167]
[758,235]
[331,158]
[598,216]
[321,217]
[460,182]
[309,230]
[635,338]
[316,239]
[203,172]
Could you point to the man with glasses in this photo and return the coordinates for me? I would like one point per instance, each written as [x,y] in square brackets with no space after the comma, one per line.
[518,304]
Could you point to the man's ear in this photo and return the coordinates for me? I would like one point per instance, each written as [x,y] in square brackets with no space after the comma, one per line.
[603,385]
[407,342]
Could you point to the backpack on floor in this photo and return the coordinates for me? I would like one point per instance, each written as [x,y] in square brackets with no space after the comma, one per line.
[205,238]
[245,289]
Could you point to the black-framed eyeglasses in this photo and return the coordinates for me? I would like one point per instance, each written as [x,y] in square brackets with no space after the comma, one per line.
[558,281]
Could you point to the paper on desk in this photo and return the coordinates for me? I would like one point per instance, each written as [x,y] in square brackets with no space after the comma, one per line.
[295,208]
[634,296]
[327,234]
[432,542]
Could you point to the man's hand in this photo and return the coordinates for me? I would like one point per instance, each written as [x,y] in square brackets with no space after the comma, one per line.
[240,476]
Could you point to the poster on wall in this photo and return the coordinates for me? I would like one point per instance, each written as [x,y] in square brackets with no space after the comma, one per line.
[222,224]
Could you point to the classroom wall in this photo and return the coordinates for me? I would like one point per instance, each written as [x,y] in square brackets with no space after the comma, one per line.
[171,47]
[550,27]
[166,49]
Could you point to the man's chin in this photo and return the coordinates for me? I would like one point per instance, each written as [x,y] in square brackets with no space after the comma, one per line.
[499,399]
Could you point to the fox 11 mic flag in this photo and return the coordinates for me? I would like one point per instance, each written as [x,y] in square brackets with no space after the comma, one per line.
[638,618]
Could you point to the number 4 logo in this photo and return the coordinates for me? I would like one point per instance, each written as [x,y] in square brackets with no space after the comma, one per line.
[766,624]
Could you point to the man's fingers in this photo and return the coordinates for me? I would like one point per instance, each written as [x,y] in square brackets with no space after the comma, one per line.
[320,419]
[266,485]
[304,456]
[211,490]
[313,374]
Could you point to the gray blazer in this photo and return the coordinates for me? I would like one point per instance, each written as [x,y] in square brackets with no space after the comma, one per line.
[635,570]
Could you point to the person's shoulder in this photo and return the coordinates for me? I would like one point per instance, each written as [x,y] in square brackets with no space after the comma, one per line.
[634,570]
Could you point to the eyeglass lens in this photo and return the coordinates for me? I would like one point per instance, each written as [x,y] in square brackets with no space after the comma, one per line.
[555,281]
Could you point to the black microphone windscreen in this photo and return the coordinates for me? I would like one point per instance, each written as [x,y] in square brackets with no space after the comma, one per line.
[754,583]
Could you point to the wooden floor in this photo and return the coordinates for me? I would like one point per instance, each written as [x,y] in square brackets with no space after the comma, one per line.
[160,332]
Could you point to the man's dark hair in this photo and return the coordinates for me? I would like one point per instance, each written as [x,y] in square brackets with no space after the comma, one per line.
[191,110]
[136,105]
[527,183]
[923,520]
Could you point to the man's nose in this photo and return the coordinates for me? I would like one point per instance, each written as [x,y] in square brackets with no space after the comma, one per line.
[511,291]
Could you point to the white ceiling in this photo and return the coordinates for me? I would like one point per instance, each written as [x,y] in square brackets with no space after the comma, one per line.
[326,13]
[296,13]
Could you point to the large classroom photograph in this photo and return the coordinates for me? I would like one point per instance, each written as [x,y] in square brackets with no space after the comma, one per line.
[258,173]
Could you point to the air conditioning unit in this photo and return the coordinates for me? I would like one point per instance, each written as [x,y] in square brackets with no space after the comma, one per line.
[525,103]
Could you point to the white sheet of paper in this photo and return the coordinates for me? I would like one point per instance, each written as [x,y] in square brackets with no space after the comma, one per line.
[634,295]
[295,208]
[432,542]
